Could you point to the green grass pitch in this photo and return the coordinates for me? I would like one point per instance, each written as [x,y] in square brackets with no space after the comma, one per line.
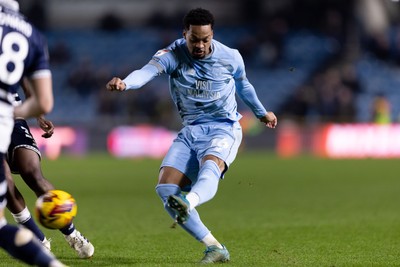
[268,212]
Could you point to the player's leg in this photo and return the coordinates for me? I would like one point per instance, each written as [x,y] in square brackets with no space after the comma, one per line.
[193,225]
[20,212]
[188,218]
[178,169]
[172,179]
[216,151]
[207,182]
[215,252]
[26,160]
[20,242]
[28,163]
[23,245]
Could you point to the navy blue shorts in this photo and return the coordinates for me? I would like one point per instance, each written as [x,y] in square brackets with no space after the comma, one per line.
[21,138]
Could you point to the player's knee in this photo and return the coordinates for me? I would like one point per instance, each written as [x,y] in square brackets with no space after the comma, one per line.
[165,190]
[23,237]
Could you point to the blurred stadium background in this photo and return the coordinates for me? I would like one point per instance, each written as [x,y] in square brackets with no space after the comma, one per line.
[328,69]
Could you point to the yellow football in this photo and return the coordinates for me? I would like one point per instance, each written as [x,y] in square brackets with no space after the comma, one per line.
[55,209]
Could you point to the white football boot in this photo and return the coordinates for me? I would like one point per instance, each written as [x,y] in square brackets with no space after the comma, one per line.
[80,244]
[46,243]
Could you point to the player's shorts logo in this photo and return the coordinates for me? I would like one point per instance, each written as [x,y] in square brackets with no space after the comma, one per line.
[220,144]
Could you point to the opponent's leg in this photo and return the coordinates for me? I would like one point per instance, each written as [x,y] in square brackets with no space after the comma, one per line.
[16,205]
[20,242]
[78,242]
[25,219]
[28,163]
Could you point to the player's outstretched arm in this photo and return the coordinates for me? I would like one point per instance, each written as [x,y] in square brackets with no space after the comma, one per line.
[116,84]
[134,80]
[269,119]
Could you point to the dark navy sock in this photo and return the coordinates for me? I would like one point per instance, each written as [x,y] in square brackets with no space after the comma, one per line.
[31,225]
[68,229]
[32,252]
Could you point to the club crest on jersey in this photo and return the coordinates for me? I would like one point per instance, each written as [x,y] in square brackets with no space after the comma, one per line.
[191,71]
[161,52]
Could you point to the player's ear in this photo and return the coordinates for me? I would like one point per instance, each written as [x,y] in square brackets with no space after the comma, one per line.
[184,34]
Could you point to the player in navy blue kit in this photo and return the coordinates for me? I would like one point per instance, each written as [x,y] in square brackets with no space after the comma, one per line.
[23,53]
[23,158]
[204,76]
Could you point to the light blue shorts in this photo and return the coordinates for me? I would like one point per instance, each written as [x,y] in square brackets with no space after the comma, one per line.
[220,139]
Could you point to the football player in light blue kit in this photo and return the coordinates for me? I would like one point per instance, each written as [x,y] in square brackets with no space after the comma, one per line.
[204,77]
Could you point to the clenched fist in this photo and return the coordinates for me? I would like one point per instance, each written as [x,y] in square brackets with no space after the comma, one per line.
[116,84]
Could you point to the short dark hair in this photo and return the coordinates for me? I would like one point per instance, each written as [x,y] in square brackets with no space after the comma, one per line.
[198,16]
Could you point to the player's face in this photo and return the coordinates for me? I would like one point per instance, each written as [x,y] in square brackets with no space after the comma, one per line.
[198,40]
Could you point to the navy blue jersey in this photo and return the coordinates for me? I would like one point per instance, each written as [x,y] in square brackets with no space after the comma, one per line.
[23,50]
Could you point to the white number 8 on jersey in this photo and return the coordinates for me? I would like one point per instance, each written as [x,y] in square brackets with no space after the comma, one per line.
[15,49]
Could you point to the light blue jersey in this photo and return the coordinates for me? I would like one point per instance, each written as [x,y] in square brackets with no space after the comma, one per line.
[204,92]
[203,89]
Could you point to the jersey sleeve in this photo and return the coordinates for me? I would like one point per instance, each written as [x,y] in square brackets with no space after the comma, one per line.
[39,66]
[246,90]
[162,62]
[165,60]
[138,78]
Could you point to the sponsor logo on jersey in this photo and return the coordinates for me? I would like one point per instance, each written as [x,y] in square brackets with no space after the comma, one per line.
[161,52]
[203,89]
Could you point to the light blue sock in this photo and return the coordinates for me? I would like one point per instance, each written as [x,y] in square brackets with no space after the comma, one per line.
[207,181]
[194,226]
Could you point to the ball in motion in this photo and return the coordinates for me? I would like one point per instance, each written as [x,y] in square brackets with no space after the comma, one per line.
[55,209]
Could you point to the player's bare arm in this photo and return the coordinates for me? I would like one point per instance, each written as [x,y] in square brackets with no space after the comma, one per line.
[269,119]
[41,100]
[46,125]
[116,84]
